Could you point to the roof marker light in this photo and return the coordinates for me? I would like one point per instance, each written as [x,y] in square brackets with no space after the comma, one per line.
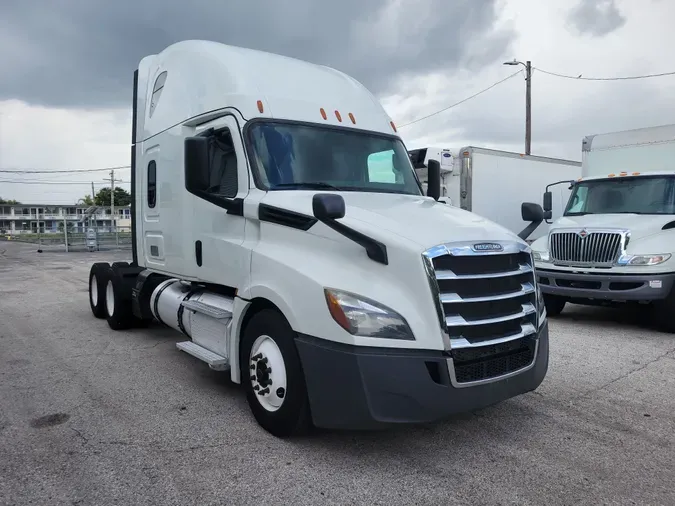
[323,113]
[337,115]
[393,126]
[623,173]
[635,174]
[260,106]
[611,175]
[351,117]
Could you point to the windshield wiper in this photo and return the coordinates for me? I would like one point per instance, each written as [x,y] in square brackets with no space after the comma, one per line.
[317,186]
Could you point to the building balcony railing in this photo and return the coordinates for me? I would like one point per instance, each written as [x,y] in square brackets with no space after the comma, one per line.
[41,217]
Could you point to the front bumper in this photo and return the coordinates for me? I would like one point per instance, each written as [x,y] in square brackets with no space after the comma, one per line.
[619,287]
[367,388]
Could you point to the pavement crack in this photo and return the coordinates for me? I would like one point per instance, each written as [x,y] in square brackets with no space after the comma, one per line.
[196,447]
[85,440]
[629,373]
[121,443]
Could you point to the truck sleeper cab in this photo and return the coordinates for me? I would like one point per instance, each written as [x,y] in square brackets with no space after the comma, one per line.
[279,225]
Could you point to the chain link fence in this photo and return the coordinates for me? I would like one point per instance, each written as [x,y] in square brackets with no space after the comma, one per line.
[93,239]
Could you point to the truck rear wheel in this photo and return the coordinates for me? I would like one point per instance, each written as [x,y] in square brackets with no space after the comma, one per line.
[98,279]
[272,375]
[554,304]
[118,301]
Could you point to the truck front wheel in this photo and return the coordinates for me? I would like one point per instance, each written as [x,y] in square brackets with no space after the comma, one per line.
[272,375]
[554,304]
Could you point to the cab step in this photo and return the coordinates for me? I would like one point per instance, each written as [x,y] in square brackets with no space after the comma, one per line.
[207,309]
[215,361]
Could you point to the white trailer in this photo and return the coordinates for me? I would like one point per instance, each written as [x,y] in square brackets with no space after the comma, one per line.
[493,183]
[279,226]
[615,243]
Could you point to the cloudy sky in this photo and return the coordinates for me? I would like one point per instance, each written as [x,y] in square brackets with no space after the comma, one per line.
[67,66]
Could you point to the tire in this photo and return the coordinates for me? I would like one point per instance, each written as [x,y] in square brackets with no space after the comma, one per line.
[663,313]
[118,302]
[98,278]
[268,336]
[554,304]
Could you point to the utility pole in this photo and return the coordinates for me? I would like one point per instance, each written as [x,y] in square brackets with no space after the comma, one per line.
[528,107]
[528,101]
[112,197]
[93,194]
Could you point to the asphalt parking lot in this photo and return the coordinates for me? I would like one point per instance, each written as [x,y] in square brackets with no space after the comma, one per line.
[92,416]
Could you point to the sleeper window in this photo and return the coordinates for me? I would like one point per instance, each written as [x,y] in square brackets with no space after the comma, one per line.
[152,184]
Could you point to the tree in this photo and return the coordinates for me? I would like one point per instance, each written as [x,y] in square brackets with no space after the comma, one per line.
[87,200]
[14,202]
[122,197]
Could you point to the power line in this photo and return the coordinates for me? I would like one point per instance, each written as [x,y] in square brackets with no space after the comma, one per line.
[624,78]
[69,171]
[36,181]
[461,101]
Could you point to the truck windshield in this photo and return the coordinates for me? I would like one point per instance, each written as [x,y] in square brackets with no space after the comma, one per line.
[634,195]
[289,156]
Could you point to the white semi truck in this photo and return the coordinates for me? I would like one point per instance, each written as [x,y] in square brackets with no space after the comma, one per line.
[279,225]
[615,243]
[493,183]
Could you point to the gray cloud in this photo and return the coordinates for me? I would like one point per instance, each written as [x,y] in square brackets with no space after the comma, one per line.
[83,52]
[596,17]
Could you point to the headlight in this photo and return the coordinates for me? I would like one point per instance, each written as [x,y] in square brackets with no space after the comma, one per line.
[541,256]
[643,259]
[363,317]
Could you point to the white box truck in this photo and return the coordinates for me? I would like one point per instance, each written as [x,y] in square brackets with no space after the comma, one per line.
[493,183]
[267,231]
[615,242]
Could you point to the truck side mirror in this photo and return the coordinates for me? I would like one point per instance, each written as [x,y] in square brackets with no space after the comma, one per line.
[434,179]
[196,163]
[548,201]
[534,214]
[531,212]
[548,205]
[328,206]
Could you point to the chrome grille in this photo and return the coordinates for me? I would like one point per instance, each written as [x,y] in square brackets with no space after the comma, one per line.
[586,247]
[486,299]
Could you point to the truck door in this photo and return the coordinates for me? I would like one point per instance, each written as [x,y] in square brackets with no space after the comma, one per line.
[217,229]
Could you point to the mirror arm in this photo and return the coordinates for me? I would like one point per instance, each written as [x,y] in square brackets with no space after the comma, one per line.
[559,182]
[525,233]
[375,249]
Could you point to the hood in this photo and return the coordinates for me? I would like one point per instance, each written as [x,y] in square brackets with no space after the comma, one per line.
[640,225]
[416,218]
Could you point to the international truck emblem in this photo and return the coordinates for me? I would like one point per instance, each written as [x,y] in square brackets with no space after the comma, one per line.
[488,246]
[583,234]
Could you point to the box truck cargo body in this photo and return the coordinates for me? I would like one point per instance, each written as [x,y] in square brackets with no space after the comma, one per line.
[493,183]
